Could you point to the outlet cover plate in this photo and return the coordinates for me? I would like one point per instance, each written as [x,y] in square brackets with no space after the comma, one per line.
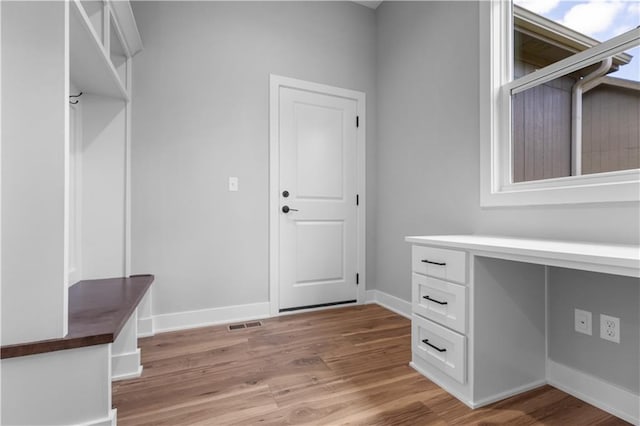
[610,328]
[582,321]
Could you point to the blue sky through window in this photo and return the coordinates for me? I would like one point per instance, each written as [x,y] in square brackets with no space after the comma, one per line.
[598,19]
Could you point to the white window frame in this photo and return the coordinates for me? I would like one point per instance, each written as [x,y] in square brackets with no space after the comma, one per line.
[496,184]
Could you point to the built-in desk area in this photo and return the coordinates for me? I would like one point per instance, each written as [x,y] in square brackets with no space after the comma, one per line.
[481,323]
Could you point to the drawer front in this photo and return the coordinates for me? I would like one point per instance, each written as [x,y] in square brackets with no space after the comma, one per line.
[439,346]
[450,265]
[440,301]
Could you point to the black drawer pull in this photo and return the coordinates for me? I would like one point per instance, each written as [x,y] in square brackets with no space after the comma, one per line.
[434,263]
[426,341]
[435,301]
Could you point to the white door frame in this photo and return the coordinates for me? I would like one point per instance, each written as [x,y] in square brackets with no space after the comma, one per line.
[277,82]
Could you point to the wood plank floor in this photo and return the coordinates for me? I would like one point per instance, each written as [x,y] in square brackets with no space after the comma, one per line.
[346,366]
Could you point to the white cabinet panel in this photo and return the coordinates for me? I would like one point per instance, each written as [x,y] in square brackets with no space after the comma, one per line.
[440,263]
[440,301]
[441,347]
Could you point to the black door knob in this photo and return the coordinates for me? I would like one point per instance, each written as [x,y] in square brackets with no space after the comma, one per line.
[287,209]
[285,194]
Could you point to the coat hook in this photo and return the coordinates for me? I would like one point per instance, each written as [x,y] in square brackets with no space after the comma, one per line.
[75,96]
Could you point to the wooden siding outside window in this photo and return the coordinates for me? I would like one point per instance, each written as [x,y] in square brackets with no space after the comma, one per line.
[542,129]
[610,129]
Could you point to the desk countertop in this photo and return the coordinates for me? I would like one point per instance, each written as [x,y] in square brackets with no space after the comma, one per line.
[611,258]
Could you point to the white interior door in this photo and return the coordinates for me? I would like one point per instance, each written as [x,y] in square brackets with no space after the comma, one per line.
[318,183]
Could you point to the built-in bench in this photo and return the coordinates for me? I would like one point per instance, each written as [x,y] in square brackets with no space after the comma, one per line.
[101,346]
[98,311]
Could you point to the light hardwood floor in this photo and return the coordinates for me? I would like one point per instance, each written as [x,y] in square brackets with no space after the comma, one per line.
[333,367]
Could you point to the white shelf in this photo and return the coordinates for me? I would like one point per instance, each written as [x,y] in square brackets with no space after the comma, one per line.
[90,66]
[123,13]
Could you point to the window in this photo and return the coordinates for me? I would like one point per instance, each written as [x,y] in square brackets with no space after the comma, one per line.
[558,125]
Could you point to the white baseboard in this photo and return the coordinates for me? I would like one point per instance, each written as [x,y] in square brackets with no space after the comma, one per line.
[206,317]
[126,365]
[507,394]
[108,421]
[145,327]
[610,398]
[393,303]
[227,314]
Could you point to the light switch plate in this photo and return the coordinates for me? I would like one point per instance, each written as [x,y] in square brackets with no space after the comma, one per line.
[582,321]
[233,183]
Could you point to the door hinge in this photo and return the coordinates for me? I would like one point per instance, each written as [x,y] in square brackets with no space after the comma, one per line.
[357,279]
[357,121]
[357,199]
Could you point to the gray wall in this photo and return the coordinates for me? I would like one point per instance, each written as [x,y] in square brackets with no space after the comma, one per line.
[427,130]
[103,187]
[200,115]
[428,145]
[599,294]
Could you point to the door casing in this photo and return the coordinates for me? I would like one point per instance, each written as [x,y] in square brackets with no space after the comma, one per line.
[276,83]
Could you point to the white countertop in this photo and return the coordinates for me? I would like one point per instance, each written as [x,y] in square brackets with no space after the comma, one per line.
[609,258]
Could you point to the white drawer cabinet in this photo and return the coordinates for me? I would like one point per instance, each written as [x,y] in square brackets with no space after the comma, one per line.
[445,264]
[440,301]
[479,322]
[439,305]
[440,347]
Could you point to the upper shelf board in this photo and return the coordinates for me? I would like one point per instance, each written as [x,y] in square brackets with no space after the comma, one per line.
[127,23]
[90,67]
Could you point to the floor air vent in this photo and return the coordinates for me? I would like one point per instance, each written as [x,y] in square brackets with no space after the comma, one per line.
[244,325]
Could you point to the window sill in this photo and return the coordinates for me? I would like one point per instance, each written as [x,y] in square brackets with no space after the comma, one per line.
[612,187]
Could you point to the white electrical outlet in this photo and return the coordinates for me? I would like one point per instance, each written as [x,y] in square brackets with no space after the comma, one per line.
[582,321]
[610,328]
